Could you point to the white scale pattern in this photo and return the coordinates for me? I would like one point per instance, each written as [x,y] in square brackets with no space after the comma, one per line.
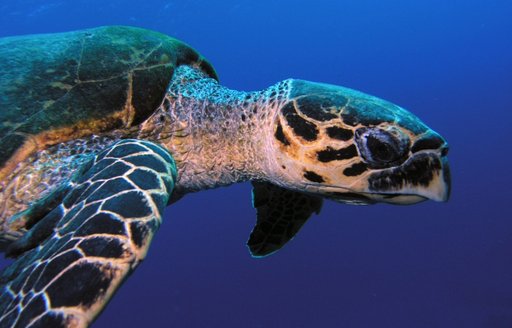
[79,248]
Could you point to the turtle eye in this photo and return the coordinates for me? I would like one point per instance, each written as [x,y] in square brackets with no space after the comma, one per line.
[381,148]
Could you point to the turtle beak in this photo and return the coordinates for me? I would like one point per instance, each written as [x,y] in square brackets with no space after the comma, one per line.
[436,179]
[440,187]
[434,147]
[425,175]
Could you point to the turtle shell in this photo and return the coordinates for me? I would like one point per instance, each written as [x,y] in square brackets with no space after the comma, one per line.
[58,87]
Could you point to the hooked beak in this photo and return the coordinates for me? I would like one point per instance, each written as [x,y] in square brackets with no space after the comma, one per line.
[426,175]
[440,187]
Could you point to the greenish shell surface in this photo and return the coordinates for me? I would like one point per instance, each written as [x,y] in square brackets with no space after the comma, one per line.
[57,87]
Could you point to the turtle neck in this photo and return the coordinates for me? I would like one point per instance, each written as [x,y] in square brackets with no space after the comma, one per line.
[217,136]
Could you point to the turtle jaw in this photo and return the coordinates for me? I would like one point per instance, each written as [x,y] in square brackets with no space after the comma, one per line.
[425,175]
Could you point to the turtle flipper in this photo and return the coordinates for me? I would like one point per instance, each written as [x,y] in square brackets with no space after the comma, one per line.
[280,215]
[107,222]
[27,219]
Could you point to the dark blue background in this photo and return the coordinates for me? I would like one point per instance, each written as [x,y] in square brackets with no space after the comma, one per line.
[429,265]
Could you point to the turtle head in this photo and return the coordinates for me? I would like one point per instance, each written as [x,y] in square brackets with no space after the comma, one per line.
[354,148]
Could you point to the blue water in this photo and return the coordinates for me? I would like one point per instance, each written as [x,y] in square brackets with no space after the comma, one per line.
[429,265]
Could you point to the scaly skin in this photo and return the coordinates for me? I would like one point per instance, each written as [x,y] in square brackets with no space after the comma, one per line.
[217,136]
[96,237]
[314,140]
[42,173]
[84,188]
[299,135]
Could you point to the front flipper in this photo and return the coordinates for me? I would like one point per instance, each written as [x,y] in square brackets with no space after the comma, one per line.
[27,219]
[280,215]
[104,228]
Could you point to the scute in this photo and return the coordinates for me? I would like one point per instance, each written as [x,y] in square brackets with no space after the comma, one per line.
[57,87]
[354,107]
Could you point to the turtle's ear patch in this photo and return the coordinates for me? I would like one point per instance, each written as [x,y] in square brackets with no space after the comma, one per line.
[280,215]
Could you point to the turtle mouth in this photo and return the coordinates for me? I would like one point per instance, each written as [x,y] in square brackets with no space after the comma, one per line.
[348,196]
[424,176]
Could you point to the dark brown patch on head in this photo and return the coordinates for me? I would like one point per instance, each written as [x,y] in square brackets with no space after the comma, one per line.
[280,135]
[355,170]
[313,177]
[338,133]
[330,154]
[316,108]
[304,129]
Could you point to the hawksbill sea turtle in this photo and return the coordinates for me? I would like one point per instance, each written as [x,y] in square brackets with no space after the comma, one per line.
[102,128]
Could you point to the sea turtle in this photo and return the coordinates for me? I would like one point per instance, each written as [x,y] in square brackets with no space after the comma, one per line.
[102,128]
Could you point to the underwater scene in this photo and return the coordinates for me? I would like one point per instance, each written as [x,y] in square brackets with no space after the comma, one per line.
[431,161]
